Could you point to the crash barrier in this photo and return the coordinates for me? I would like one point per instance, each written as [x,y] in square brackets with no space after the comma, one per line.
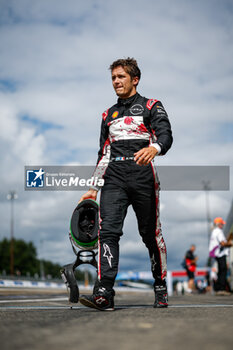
[133,276]
[30,284]
[182,275]
[172,275]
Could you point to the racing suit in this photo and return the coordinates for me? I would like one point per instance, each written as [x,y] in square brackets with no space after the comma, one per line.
[127,127]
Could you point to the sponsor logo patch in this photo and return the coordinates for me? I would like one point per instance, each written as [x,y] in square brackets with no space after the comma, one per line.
[115,114]
[136,109]
[107,254]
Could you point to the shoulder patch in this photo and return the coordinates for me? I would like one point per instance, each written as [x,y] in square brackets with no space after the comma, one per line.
[105,114]
[151,102]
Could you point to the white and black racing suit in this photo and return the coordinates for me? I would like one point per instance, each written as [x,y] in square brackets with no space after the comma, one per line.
[127,127]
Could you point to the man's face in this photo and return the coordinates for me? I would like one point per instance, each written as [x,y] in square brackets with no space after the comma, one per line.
[123,84]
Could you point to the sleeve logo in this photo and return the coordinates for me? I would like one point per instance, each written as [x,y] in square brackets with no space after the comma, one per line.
[105,114]
[150,103]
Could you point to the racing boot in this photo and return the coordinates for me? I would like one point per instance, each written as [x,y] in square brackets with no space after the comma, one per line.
[101,299]
[161,298]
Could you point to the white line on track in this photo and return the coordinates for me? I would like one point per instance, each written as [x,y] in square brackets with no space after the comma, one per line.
[201,305]
[31,300]
[4,308]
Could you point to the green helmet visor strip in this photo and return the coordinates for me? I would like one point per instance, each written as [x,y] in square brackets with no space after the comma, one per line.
[89,244]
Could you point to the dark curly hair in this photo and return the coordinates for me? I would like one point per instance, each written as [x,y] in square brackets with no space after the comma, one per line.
[129,64]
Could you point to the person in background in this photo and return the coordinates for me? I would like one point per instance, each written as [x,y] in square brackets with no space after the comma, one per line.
[190,265]
[219,249]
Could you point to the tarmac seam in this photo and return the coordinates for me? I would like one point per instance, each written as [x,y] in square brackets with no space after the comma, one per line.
[28,308]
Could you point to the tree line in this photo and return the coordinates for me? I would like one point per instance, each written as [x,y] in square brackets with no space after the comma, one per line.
[26,262]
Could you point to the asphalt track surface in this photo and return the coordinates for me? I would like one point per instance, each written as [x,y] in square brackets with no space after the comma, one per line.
[35,319]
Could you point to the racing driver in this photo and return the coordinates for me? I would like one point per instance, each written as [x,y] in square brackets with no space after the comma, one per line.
[133,132]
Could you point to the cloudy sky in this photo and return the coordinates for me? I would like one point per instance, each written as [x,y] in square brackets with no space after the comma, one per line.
[55,84]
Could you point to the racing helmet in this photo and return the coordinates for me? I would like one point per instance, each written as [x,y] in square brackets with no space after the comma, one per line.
[84,225]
